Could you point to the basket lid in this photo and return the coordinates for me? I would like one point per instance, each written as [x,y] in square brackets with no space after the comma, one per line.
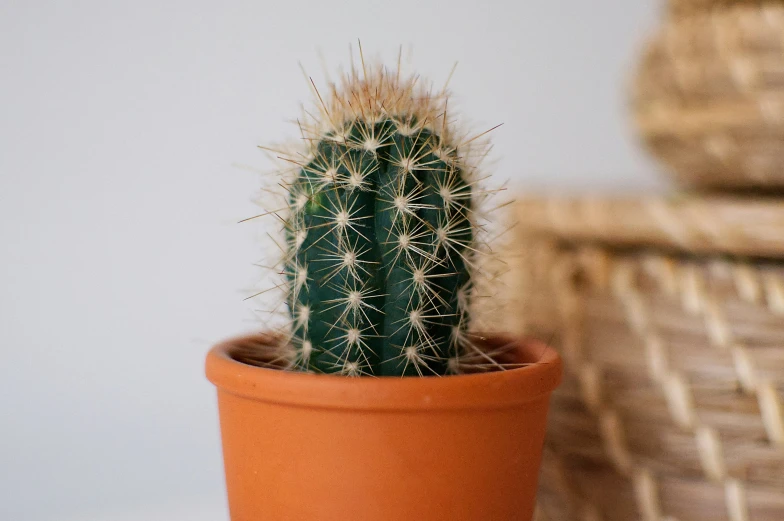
[733,225]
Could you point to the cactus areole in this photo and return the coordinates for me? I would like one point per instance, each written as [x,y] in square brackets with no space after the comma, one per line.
[380,233]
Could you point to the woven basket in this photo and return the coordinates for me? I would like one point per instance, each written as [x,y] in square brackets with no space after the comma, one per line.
[691,7]
[708,99]
[671,326]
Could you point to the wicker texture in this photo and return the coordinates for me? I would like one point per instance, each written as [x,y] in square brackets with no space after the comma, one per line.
[708,99]
[672,407]
[731,225]
[696,7]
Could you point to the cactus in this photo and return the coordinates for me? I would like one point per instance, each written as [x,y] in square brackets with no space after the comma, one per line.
[380,232]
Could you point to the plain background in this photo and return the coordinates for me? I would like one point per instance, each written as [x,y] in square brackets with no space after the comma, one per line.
[124,128]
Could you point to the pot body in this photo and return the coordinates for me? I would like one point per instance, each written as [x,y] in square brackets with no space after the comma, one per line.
[329,448]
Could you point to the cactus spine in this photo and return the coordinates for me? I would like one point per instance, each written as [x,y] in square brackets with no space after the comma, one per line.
[380,233]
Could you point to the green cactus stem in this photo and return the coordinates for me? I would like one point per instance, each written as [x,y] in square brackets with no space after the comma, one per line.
[380,235]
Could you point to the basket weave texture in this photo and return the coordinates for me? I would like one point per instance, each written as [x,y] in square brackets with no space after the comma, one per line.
[708,98]
[692,7]
[672,401]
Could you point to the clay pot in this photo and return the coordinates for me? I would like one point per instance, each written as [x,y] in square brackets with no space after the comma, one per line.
[309,447]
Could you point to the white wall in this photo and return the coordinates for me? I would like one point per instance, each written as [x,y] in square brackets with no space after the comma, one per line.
[120,262]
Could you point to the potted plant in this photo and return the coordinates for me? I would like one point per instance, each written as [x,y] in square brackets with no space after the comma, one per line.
[382,253]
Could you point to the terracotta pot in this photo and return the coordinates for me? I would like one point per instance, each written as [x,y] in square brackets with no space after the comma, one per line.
[308,447]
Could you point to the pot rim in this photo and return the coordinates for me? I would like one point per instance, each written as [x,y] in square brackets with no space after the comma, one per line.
[489,390]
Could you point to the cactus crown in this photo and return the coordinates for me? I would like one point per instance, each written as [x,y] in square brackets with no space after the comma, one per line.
[382,233]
